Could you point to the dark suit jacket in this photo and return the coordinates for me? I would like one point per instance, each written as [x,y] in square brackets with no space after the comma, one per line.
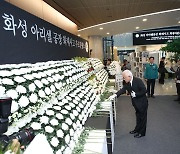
[140,102]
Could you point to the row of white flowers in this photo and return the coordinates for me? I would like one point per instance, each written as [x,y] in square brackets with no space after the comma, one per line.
[54,98]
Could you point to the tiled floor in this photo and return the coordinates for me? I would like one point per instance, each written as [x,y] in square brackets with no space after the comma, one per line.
[169,88]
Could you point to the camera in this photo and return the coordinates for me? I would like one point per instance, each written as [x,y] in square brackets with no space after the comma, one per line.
[24,137]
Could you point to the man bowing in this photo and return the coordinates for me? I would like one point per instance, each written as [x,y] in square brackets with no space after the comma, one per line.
[137,91]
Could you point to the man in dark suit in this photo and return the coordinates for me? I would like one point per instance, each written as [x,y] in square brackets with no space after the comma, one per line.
[137,91]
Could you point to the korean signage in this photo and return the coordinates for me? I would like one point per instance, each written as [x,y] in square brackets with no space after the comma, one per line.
[158,36]
[33,39]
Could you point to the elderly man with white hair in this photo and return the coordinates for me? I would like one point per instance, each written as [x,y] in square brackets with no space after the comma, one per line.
[137,91]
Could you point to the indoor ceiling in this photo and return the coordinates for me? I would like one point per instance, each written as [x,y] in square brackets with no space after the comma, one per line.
[87,13]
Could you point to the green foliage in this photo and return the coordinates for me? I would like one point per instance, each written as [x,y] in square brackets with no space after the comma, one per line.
[92,77]
[82,141]
[173,47]
[105,95]
[80,59]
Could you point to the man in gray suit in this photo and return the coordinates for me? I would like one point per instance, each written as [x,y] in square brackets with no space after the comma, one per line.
[137,91]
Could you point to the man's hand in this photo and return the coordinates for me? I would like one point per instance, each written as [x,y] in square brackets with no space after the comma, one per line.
[133,94]
[112,97]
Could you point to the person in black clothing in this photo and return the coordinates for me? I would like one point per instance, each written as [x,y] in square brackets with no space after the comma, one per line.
[126,65]
[162,70]
[177,80]
[137,90]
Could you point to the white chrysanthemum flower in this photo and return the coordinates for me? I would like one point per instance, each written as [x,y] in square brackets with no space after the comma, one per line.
[81,106]
[33,98]
[49,129]
[7,81]
[59,152]
[21,89]
[12,93]
[36,126]
[28,76]
[54,122]
[72,116]
[2,90]
[72,105]
[50,79]
[19,79]
[14,106]
[75,101]
[75,113]
[81,95]
[78,109]
[4,73]
[44,120]
[23,101]
[60,133]
[57,85]
[57,108]
[38,83]
[62,77]
[42,74]
[64,112]
[47,91]
[32,87]
[77,98]
[67,139]
[41,94]
[44,81]
[59,116]
[68,98]
[68,107]
[50,112]
[65,126]
[52,88]
[58,76]
[54,142]
[71,132]
[69,121]
[65,101]
[80,117]
[55,78]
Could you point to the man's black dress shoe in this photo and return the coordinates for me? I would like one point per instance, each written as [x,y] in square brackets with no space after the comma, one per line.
[138,135]
[133,132]
[152,96]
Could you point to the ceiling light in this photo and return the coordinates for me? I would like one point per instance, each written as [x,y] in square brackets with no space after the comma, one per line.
[79,35]
[137,27]
[101,28]
[144,19]
[107,33]
[179,22]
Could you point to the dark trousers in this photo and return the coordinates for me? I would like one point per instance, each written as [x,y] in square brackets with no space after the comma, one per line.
[161,79]
[141,121]
[150,87]
[178,90]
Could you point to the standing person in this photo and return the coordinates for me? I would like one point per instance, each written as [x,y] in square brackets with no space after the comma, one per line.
[177,80]
[126,65]
[151,74]
[162,70]
[137,90]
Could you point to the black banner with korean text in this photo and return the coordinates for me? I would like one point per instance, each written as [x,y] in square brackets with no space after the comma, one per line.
[156,36]
[25,38]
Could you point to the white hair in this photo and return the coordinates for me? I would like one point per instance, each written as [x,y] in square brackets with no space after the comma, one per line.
[128,73]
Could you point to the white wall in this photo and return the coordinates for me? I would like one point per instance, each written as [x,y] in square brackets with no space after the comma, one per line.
[96,44]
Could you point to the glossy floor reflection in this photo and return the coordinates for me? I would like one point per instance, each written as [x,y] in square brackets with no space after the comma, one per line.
[168,88]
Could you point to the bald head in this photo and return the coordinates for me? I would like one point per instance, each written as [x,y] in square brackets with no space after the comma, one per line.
[127,75]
